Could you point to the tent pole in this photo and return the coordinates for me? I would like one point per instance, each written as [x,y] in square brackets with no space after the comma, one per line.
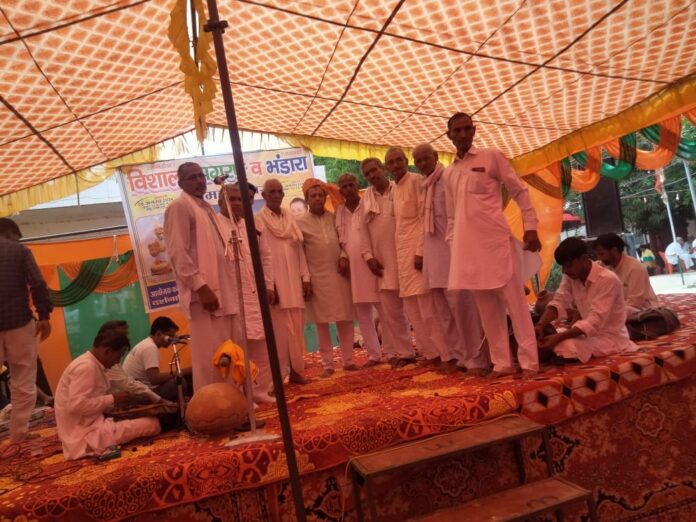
[217,28]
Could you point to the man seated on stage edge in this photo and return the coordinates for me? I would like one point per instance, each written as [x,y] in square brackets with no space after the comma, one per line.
[143,362]
[638,294]
[82,397]
[597,294]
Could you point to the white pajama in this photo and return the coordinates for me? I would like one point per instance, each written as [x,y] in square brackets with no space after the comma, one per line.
[395,326]
[427,327]
[345,341]
[492,305]
[208,332]
[460,317]
[366,322]
[288,328]
[19,348]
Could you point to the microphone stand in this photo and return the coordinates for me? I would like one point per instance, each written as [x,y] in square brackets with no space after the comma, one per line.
[254,435]
[175,367]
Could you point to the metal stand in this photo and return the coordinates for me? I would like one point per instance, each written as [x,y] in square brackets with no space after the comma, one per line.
[233,252]
[175,368]
[217,28]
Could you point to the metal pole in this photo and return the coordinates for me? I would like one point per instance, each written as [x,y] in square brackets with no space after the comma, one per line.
[233,243]
[665,200]
[217,28]
[691,184]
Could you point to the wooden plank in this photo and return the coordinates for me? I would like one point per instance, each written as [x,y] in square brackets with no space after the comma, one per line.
[514,504]
[448,444]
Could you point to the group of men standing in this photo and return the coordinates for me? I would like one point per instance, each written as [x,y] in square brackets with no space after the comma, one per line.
[431,251]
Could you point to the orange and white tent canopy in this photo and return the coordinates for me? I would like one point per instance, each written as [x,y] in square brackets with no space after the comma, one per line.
[87,81]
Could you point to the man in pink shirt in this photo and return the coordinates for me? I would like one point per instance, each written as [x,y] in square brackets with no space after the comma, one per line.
[455,308]
[486,258]
[409,202]
[205,275]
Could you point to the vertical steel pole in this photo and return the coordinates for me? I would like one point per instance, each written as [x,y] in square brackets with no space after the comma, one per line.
[217,28]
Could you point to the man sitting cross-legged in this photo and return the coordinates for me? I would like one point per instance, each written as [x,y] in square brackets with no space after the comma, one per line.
[597,294]
[82,397]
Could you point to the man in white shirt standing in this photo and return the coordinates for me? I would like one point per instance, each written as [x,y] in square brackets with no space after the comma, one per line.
[597,294]
[486,258]
[362,281]
[205,275]
[82,397]
[256,336]
[143,361]
[638,294]
[378,247]
[457,308]
[409,202]
[291,277]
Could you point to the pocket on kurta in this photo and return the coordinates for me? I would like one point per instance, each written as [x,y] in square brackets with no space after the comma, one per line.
[477,182]
[409,208]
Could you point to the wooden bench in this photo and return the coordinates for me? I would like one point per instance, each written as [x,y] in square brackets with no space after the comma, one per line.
[366,468]
[528,500]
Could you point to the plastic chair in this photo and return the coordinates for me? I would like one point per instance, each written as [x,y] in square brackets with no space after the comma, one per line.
[668,265]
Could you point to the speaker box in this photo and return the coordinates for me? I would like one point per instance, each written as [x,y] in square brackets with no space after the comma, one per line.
[602,207]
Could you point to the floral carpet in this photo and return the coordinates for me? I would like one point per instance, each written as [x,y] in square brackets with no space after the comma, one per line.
[624,426]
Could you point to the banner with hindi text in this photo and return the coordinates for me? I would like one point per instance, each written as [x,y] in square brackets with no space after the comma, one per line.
[148,188]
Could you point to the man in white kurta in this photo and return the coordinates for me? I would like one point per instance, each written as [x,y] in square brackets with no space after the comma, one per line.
[378,247]
[82,397]
[637,291]
[486,258]
[205,277]
[255,335]
[455,308]
[675,252]
[330,301]
[409,202]
[598,295]
[363,283]
[291,277]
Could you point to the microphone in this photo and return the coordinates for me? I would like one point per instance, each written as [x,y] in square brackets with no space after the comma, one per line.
[176,338]
[219,180]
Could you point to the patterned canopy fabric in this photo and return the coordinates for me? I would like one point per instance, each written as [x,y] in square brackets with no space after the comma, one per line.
[86,81]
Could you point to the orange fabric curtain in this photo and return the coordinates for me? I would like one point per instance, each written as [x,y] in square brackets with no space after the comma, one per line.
[670,133]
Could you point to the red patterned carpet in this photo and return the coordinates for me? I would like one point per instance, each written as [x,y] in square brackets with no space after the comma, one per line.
[624,426]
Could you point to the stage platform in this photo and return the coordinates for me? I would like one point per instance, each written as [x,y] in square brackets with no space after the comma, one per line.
[623,426]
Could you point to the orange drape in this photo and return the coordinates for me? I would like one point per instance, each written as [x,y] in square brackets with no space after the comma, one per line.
[670,134]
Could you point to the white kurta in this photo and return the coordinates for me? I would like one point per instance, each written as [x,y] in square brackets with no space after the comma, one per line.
[603,316]
[196,249]
[120,380]
[436,251]
[479,235]
[674,252]
[196,246]
[637,292]
[81,398]
[409,201]
[378,239]
[252,309]
[363,282]
[289,269]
